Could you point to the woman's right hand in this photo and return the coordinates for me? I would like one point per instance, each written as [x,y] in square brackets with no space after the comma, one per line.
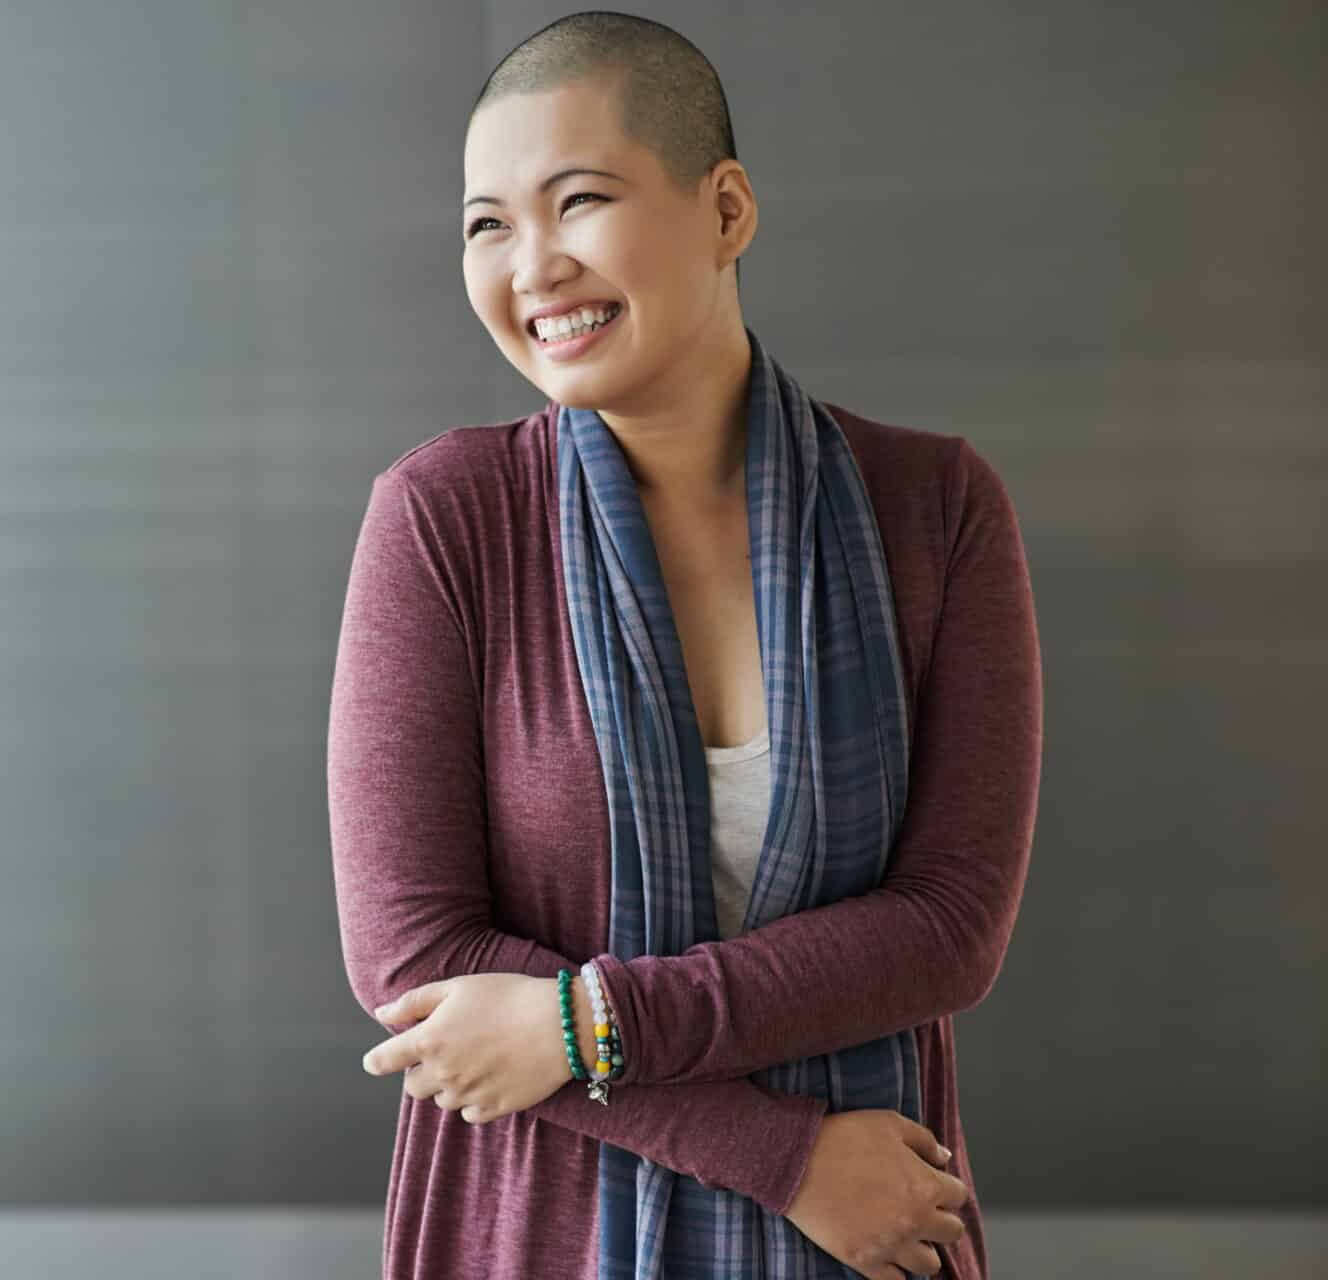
[873,1194]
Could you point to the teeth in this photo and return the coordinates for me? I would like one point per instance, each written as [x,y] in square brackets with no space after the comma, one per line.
[575,322]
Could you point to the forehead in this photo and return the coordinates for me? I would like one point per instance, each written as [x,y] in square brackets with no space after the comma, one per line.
[516,141]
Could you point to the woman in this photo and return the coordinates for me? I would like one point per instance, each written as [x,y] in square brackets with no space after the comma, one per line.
[723,701]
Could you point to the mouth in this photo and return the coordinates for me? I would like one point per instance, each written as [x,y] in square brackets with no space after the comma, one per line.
[574,341]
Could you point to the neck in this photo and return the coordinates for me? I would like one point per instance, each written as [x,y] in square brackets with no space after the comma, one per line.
[695,450]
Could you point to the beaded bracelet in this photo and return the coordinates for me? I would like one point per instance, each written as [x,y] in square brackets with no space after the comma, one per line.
[605,1024]
[609,1065]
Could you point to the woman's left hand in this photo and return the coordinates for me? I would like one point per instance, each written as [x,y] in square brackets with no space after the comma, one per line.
[484,1044]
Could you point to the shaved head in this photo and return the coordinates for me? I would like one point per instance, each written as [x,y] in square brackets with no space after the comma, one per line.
[668,96]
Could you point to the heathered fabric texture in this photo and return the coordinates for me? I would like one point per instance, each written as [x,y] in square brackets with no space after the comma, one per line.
[470,834]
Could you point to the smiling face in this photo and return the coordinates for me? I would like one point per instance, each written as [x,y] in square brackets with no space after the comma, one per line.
[664,256]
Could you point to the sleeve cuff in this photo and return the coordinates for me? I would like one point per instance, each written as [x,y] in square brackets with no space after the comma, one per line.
[614,982]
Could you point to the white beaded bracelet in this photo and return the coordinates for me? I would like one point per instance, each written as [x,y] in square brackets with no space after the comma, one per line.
[608,1049]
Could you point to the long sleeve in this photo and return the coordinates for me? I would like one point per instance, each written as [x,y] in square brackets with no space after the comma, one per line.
[406,797]
[930,939]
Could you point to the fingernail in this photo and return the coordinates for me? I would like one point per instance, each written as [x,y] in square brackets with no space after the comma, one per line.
[946,1152]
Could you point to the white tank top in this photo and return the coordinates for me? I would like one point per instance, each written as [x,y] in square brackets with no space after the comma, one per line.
[739,809]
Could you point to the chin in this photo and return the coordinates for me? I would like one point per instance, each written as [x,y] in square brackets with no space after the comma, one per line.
[572,400]
[577,389]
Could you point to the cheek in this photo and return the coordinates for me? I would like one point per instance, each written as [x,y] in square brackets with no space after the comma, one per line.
[487,303]
[651,269]
[622,254]
[474,289]
[632,265]
[480,284]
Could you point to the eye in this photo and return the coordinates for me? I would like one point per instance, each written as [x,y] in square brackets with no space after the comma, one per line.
[474,227]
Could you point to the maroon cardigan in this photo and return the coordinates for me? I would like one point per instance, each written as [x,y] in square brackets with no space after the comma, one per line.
[470,834]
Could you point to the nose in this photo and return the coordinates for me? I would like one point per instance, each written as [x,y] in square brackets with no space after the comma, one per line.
[537,267]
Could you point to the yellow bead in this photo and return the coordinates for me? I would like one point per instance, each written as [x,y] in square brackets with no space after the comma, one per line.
[603,1067]
[602,1030]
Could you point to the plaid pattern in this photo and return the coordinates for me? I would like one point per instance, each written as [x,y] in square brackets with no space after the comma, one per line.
[839,771]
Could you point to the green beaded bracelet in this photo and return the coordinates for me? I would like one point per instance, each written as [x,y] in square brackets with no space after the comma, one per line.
[569,1030]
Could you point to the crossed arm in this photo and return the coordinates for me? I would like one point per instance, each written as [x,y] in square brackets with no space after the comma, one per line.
[930,939]
[927,942]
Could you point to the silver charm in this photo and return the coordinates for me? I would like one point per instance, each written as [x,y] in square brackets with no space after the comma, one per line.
[599,1090]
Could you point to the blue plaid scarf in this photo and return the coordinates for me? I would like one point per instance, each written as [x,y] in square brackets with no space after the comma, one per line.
[834,690]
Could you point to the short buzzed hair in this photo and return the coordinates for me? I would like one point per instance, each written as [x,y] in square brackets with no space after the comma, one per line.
[670,97]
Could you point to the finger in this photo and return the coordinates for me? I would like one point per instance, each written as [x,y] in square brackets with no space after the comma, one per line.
[446,1100]
[417,1003]
[395,1054]
[407,1007]
[958,1192]
[946,1228]
[419,1083]
[922,1258]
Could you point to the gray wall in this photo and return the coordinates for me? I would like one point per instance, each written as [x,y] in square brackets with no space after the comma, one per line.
[1086,236]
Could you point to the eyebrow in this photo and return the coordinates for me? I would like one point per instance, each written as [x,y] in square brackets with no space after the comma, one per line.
[546,184]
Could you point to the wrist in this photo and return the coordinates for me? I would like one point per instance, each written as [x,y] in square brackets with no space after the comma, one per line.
[583,1019]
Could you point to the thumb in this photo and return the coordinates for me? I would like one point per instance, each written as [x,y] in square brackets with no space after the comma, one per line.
[412,1005]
